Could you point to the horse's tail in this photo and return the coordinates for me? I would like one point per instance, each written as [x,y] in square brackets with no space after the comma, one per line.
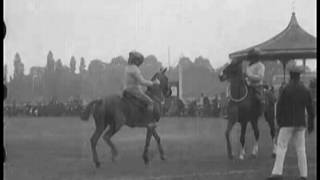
[88,110]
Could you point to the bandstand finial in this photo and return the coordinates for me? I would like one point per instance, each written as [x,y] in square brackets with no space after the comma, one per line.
[293,6]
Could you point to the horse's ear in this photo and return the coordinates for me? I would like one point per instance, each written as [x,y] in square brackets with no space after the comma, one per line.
[163,70]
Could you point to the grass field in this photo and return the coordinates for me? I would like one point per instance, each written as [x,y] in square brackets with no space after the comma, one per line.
[58,148]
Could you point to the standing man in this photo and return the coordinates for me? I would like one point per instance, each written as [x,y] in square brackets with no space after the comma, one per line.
[313,89]
[293,101]
[283,84]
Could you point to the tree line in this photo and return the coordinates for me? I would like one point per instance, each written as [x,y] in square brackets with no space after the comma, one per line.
[59,81]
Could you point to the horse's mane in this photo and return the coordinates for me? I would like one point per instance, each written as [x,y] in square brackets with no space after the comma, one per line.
[152,79]
[237,82]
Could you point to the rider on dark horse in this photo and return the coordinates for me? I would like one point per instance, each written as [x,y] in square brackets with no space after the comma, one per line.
[254,79]
[255,74]
[134,80]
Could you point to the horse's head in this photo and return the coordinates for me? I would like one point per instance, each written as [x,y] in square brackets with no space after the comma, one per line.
[230,71]
[163,88]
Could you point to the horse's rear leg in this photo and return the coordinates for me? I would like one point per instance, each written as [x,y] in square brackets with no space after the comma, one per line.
[146,147]
[94,140]
[117,123]
[254,125]
[107,138]
[242,139]
[271,123]
[157,138]
[227,135]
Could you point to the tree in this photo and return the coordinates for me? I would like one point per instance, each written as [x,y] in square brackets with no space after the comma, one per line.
[150,66]
[49,77]
[203,62]
[82,66]
[185,62]
[119,60]
[37,74]
[58,65]
[73,64]
[50,62]
[96,70]
[220,69]
[18,67]
[150,60]
[96,66]
[20,84]
[61,80]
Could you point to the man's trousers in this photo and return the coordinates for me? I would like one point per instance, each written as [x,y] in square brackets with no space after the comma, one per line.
[298,136]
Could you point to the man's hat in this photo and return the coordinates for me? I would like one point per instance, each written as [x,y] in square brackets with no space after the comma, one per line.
[135,57]
[296,69]
[253,54]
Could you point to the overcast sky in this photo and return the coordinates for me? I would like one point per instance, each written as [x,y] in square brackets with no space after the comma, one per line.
[107,28]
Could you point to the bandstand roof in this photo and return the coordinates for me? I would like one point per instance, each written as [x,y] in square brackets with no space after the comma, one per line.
[292,43]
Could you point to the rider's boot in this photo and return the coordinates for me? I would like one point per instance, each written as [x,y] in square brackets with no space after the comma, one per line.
[149,115]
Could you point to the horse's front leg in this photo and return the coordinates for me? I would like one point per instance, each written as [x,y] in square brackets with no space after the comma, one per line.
[256,132]
[157,138]
[242,139]
[227,136]
[146,147]
[94,140]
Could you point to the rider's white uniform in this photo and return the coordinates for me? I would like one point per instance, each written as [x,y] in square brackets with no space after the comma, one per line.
[255,73]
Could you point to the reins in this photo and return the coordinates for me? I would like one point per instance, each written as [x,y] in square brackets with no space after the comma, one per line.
[155,98]
[241,98]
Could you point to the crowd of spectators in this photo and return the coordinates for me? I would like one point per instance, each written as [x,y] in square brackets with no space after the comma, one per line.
[41,109]
[202,106]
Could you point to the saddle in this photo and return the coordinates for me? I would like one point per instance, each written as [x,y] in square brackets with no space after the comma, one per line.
[140,118]
[131,98]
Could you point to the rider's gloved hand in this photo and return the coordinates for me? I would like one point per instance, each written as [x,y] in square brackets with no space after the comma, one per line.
[156,82]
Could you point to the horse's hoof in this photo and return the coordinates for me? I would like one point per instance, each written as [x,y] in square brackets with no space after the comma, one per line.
[145,159]
[115,158]
[97,164]
[241,157]
[253,156]
[146,162]
[163,158]
[230,156]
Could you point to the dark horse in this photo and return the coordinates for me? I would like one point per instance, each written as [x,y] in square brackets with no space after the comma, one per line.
[244,107]
[114,111]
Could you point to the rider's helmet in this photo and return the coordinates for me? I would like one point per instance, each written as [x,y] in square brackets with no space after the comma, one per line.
[296,69]
[253,55]
[135,58]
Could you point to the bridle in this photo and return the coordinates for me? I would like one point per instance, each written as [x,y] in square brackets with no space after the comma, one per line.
[159,100]
[237,100]
[241,98]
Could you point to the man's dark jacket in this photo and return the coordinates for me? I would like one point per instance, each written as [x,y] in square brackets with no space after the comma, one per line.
[293,101]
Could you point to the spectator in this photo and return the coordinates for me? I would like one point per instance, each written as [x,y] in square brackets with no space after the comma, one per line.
[294,99]
[283,84]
